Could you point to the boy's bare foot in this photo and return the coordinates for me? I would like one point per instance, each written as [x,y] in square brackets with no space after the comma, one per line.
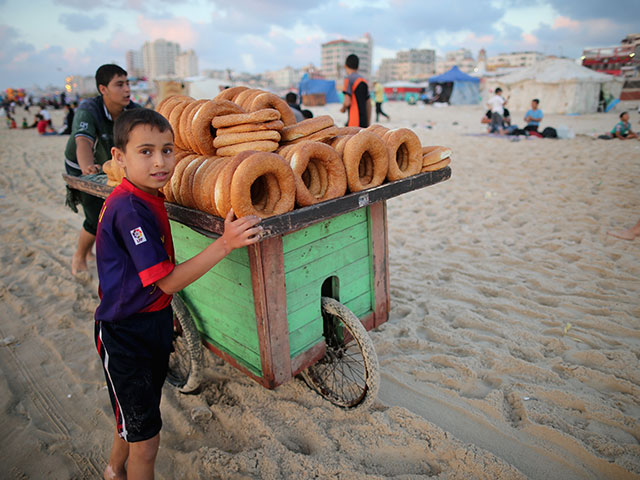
[110,474]
[628,234]
[78,265]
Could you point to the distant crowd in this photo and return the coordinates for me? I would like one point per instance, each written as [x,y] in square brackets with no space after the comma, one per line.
[41,119]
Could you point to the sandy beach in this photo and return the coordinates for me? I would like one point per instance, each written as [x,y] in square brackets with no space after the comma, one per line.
[512,350]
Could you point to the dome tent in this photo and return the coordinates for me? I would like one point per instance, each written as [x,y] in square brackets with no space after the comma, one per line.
[458,88]
[562,86]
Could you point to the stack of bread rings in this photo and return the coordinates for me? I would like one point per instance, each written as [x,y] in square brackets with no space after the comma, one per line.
[244,150]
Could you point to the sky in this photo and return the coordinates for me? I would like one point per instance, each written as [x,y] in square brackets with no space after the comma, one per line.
[43,41]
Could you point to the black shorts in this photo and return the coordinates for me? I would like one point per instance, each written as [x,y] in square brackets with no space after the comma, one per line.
[91,205]
[135,356]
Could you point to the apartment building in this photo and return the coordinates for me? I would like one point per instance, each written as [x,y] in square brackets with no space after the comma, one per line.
[514,59]
[187,64]
[335,52]
[410,65]
[159,58]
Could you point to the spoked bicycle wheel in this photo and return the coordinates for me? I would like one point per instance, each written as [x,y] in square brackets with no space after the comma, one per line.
[347,375]
[186,362]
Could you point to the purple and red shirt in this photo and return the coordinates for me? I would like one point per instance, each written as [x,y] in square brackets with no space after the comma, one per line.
[134,249]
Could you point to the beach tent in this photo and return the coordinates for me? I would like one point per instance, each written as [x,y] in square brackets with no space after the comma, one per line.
[562,86]
[309,86]
[458,88]
[204,87]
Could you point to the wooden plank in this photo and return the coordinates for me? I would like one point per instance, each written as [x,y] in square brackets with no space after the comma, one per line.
[307,358]
[236,352]
[232,361]
[380,261]
[360,306]
[267,267]
[291,221]
[303,338]
[323,229]
[189,242]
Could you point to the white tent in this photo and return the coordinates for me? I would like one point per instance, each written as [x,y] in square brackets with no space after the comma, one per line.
[203,87]
[562,86]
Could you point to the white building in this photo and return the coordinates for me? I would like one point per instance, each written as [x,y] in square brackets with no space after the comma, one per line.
[187,64]
[335,53]
[287,77]
[514,59]
[411,65]
[159,58]
[462,58]
[135,63]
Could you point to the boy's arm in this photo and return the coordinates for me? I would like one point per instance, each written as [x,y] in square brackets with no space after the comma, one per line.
[84,156]
[237,233]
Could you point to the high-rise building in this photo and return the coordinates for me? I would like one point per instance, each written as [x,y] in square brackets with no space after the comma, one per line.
[159,58]
[413,65]
[135,63]
[187,64]
[514,59]
[462,58]
[335,53]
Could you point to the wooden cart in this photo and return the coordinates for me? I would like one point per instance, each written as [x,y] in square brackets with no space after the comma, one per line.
[299,301]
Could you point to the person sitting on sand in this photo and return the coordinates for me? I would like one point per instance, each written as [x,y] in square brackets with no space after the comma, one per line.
[534,116]
[622,130]
[627,234]
[43,127]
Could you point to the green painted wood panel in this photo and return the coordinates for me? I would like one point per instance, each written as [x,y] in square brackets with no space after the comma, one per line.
[338,247]
[222,299]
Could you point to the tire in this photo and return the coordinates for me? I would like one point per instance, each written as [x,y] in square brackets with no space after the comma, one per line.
[186,362]
[348,374]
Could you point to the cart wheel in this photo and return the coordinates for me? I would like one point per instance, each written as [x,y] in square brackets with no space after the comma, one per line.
[185,362]
[348,374]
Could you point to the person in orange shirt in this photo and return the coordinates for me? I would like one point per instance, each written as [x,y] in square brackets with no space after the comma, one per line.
[356,95]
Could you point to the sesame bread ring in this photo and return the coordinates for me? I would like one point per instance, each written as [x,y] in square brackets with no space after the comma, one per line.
[431,155]
[176,178]
[306,127]
[269,100]
[330,170]
[247,101]
[167,103]
[184,123]
[206,194]
[198,176]
[276,125]
[234,138]
[259,116]
[249,171]
[259,146]
[314,178]
[168,193]
[286,151]
[436,166]
[365,147]
[222,186]
[201,129]
[319,136]
[230,93]
[174,121]
[348,130]
[377,129]
[339,145]
[242,96]
[405,153]
[186,182]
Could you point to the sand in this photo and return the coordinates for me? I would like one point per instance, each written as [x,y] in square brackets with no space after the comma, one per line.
[512,348]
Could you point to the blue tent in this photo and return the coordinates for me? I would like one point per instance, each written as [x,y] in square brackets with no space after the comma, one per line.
[458,87]
[316,85]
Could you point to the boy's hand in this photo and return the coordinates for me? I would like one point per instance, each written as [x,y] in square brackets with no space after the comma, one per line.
[240,232]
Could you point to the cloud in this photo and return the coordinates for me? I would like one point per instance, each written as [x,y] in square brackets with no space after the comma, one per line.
[619,12]
[565,22]
[76,22]
[177,29]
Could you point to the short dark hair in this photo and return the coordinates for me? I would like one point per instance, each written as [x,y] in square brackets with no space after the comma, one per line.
[130,119]
[352,61]
[105,74]
[622,114]
[498,90]
[536,100]
[291,97]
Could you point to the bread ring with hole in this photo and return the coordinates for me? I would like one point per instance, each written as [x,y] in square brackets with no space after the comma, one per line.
[242,96]
[184,123]
[176,178]
[332,176]
[269,100]
[378,129]
[348,130]
[206,193]
[235,138]
[174,121]
[405,153]
[230,93]
[285,151]
[247,101]
[161,108]
[249,171]
[338,145]
[365,147]
[259,146]
[434,154]
[436,166]
[186,182]
[168,192]
[201,129]
[259,116]
[222,185]
[306,127]
[319,136]
[198,176]
[276,125]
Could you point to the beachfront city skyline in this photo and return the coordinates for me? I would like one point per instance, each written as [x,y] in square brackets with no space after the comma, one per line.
[73,37]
